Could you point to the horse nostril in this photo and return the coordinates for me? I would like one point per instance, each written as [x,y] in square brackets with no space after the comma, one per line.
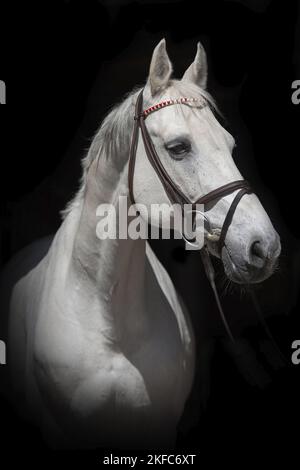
[257,250]
[257,254]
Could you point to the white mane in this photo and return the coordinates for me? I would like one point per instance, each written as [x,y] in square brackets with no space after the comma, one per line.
[112,139]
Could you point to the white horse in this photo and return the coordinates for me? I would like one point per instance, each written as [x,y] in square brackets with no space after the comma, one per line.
[101,348]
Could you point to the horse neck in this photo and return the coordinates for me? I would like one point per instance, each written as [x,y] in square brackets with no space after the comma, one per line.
[110,271]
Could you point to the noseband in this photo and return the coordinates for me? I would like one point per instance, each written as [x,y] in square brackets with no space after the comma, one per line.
[174,193]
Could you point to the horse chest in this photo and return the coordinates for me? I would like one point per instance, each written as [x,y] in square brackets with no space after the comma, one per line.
[163,361]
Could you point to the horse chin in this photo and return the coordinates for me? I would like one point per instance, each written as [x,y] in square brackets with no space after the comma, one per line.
[234,273]
[243,274]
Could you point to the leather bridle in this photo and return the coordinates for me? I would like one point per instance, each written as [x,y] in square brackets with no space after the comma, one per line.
[174,193]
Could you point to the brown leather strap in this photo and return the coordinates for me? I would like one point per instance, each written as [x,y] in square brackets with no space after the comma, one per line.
[134,144]
[223,191]
[172,190]
[174,193]
[230,214]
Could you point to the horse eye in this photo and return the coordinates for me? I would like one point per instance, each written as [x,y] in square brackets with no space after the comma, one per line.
[179,149]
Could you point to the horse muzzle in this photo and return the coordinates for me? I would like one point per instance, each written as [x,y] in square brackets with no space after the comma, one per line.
[252,263]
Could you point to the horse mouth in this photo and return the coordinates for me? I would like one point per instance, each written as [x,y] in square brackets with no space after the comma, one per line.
[234,273]
[244,274]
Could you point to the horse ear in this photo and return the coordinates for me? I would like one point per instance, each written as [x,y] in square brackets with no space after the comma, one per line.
[160,68]
[197,71]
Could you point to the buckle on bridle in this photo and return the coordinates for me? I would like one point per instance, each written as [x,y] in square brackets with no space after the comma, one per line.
[211,234]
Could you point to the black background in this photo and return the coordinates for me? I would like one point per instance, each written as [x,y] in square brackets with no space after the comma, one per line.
[65,64]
